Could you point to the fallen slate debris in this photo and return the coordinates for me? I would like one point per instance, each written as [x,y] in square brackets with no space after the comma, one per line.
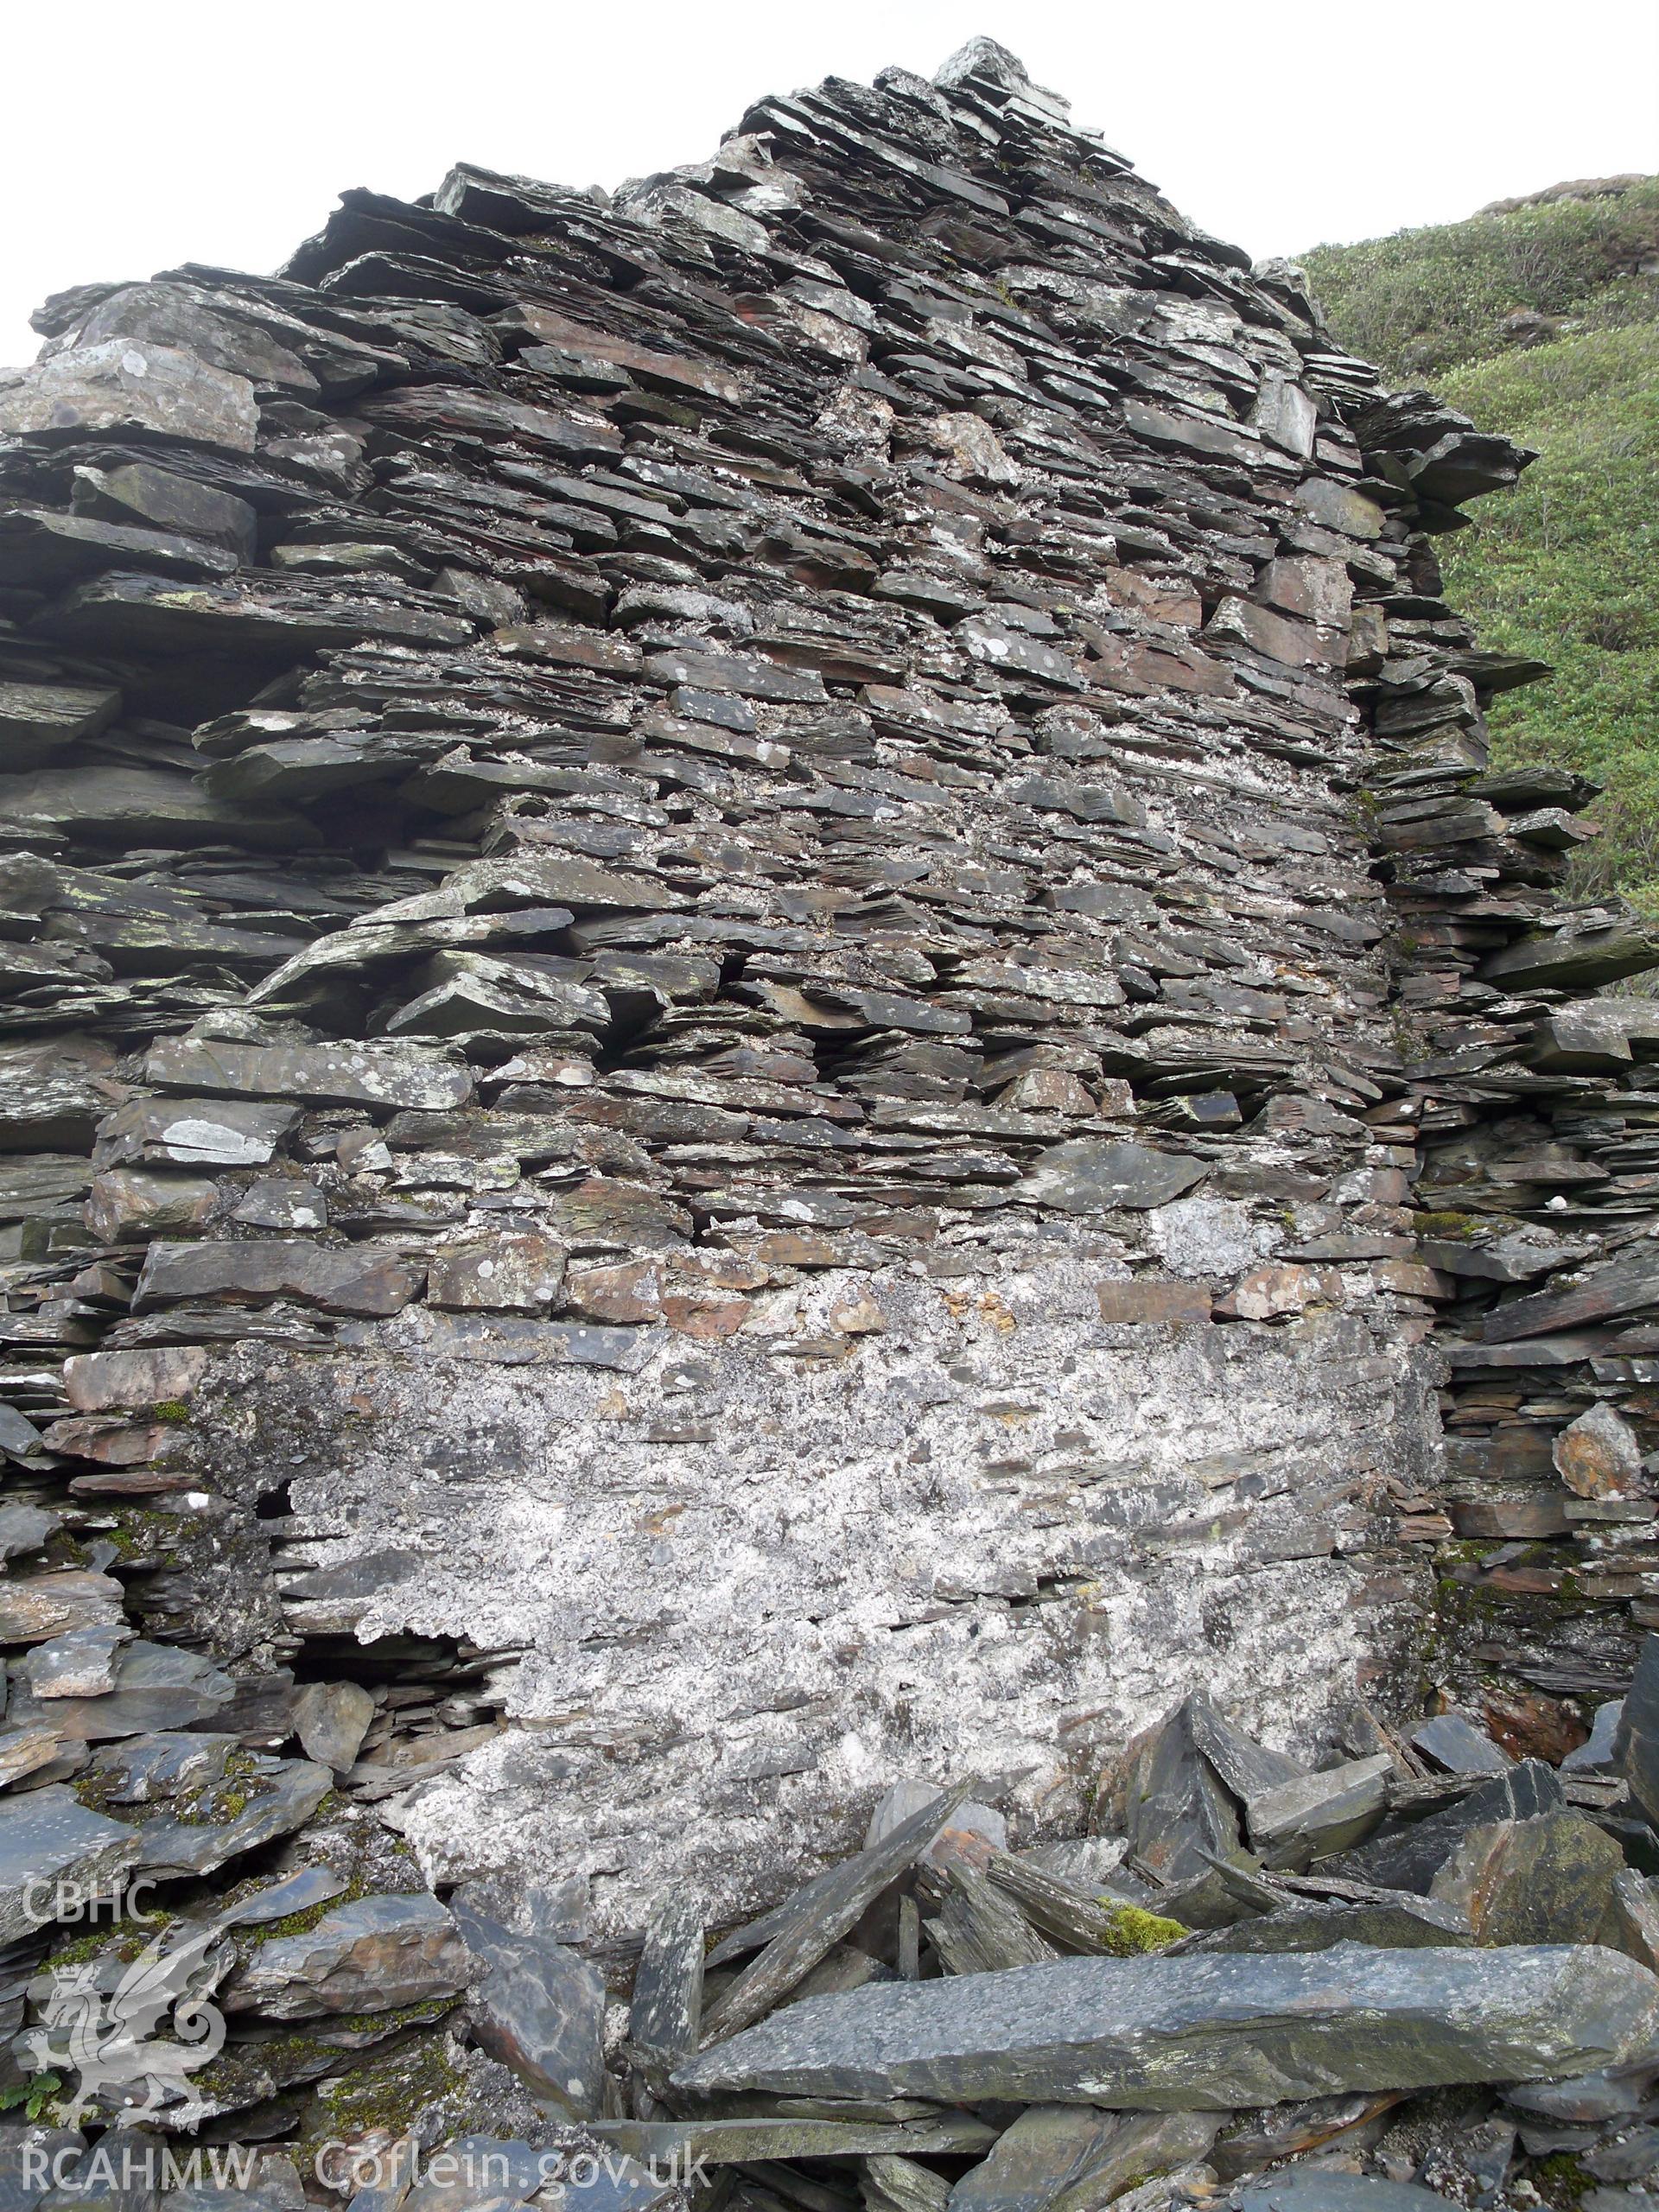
[1069,2156]
[1408,1854]
[1598,1753]
[797,1940]
[1137,2048]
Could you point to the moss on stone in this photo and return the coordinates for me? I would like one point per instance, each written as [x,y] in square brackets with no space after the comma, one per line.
[393,2091]
[142,1532]
[420,2012]
[303,1921]
[1561,2181]
[1134,1929]
[284,2059]
[305,2054]
[126,1939]
[214,1804]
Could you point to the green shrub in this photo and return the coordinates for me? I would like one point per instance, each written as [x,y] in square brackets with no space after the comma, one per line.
[1563,566]
[1423,302]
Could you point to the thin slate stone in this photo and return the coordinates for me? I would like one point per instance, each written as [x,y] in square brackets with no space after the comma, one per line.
[281,1795]
[1316,1815]
[1309,2189]
[1454,1742]
[889,2183]
[1635,1744]
[1598,1754]
[1177,1816]
[1074,1919]
[1248,1768]
[978,1929]
[823,1913]
[1411,1923]
[666,2011]
[1257,2139]
[373,1953]
[1072,2157]
[1087,1176]
[737,2142]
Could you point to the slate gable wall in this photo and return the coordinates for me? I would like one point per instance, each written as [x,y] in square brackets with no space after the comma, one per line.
[770,1022]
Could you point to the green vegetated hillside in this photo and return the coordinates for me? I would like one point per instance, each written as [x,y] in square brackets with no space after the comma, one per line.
[1544,322]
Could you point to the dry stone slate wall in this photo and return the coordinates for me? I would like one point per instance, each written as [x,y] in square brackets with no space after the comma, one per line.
[764,983]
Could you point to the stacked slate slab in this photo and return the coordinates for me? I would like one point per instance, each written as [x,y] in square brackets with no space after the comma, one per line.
[771,1025]
[1532,1208]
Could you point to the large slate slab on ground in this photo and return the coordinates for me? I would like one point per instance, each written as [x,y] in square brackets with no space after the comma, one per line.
[1204,2033]
[1313,2189]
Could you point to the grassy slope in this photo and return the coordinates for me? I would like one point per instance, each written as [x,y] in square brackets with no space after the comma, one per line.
[1567,565]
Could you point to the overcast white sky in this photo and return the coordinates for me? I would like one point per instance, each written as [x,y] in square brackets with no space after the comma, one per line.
[142,133]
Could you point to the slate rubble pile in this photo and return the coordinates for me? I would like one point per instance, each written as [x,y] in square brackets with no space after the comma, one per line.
[1426,1973]
[590,784]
